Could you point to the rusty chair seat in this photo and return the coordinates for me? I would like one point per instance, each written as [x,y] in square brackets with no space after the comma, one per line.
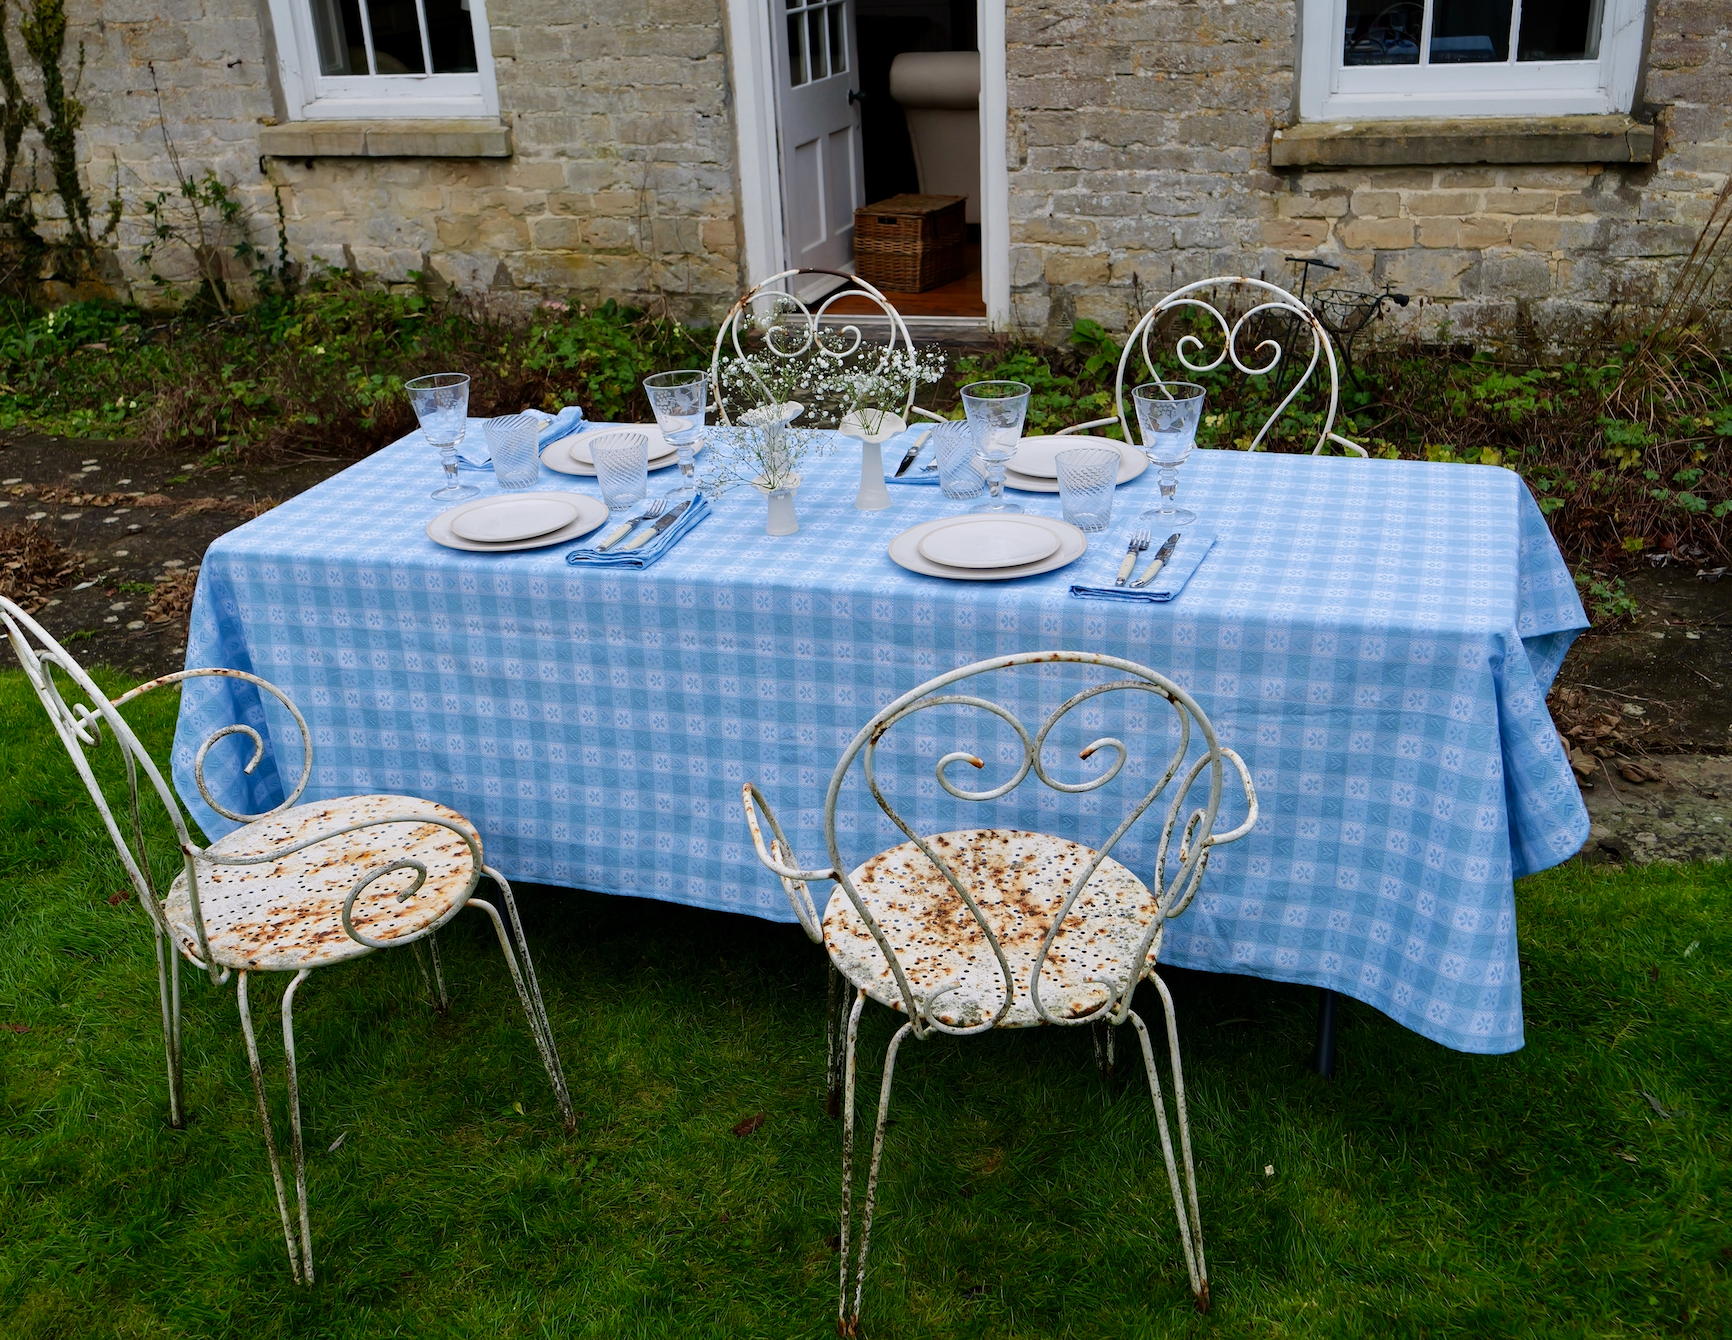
[1020,880]
[285,915]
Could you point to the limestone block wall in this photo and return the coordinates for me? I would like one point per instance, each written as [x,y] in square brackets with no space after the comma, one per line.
[1139,148]
[621,183]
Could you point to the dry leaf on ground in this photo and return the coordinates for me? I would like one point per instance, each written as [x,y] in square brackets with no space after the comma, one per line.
[32,565]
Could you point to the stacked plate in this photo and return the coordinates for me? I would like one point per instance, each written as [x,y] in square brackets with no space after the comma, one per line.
[571,455]
[1034,468]
[512,521]
[989,548]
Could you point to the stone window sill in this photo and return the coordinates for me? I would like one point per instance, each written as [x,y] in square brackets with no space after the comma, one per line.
[1556,139]
[479,138]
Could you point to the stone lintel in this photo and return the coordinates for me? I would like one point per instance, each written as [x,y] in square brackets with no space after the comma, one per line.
[1466,140]
[407,138]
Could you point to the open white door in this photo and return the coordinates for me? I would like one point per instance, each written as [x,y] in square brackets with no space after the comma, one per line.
[823,179]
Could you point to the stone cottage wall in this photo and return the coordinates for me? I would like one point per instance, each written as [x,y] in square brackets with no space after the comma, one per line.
[620,184]
[1139,146]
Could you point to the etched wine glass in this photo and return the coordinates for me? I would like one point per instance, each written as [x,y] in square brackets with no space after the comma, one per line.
[996,411]
[1168,414]
[441,403]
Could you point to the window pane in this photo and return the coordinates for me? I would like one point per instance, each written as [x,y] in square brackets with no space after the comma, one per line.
[1560,30]
[815,31]
[1380,33]
[337,29]
[451,34]
[796,51]
[838,41]
[1467,32]
[396,37]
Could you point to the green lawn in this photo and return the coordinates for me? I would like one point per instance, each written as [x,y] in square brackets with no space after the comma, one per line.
[1422,1193]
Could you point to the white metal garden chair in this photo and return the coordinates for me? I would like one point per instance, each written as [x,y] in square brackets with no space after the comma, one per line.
[298,887]
[1262,300]
[793,330]
[967,931]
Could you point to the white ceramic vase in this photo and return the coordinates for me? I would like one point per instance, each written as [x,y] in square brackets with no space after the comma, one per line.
[873,428]
[780,518]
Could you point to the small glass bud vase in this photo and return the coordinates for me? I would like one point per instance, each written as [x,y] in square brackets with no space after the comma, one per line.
[780,518]
[873,428]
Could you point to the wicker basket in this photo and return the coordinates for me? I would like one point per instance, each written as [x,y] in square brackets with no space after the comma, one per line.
[910,243]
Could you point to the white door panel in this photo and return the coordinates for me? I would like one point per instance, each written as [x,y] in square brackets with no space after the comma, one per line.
[823,178]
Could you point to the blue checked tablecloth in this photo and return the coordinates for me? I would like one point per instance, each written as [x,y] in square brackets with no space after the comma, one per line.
[1375,637]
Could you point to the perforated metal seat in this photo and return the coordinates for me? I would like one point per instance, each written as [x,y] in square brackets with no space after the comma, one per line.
[287,914]
[1020,882]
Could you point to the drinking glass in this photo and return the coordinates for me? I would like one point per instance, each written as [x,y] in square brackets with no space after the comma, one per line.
[1087,477]
[441,403]
[959,473]
[622,467]
[995,413]
[680,401]
[512,442]
[1168,414]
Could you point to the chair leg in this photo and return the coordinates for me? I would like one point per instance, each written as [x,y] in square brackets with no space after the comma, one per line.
[529,992]
[168,994]
[837,1007]
[1105,1037]
[265,1121]
[1190,1223]
[299,1148]
[848,1040]
[848,1319]
[434,981]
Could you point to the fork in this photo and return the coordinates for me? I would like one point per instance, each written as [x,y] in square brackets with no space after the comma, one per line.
[1139,542]
[652,509]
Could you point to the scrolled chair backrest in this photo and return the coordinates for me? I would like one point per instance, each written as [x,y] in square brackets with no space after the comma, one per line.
[1263,300]
[792,328]
[1176,876]
[80,726]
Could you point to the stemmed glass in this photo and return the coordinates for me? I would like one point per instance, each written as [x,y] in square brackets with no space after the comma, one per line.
[441,403]
[680,401]
[995,414]
[1168,414]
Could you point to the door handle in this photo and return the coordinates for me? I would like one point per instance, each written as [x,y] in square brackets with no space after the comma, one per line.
[855,95]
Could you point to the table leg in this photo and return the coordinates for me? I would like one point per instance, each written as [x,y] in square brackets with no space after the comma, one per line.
[1323,1057]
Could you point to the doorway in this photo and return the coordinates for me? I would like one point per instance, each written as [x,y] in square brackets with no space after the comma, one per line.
[820,134]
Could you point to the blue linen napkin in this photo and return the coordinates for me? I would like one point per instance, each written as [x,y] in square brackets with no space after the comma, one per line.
[473,453]
[650,553]
[1194,546]
[895,448]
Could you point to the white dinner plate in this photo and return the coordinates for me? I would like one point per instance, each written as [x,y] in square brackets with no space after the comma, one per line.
[591,512]
[988,542]
[498,520]
[566,457]
[1033,469]
[905,552]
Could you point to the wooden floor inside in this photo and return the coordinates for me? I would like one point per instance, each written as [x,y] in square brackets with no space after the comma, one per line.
[961,297]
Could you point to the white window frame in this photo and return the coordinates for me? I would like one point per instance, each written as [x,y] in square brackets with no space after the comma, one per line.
[312,96]
[1332,91]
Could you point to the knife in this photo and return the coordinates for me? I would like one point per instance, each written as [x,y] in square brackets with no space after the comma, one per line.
[662,523]
[1161,556]
[913,452]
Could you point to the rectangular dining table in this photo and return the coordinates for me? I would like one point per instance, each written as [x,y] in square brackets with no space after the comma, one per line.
[1375,638]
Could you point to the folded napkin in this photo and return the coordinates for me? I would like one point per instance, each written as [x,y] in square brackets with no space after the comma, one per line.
[646,555]
[472,451]
[1194,546]
[895,448]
